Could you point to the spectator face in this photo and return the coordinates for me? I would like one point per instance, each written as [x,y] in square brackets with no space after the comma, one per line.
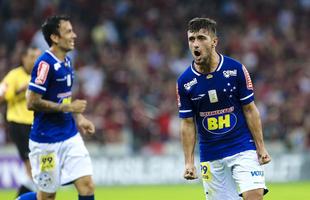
[201,45]
[65,39]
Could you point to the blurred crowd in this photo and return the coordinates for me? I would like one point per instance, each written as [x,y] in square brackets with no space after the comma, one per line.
[129,54]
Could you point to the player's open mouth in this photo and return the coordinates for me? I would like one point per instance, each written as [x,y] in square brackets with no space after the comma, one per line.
[197,53]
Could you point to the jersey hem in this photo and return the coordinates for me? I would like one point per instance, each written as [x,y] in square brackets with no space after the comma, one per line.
[51,139]
[224,155]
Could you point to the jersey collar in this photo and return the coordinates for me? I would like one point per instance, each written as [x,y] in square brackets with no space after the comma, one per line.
[219,66]
[51,54]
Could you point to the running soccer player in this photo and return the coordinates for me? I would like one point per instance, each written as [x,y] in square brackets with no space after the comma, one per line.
[58,155]
[13,91]
[215,97]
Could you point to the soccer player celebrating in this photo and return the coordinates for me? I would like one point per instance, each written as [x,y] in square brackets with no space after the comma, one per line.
[57,152]
[13,91]
[215,97]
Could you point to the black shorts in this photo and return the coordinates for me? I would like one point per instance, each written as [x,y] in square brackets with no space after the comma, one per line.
[19,134]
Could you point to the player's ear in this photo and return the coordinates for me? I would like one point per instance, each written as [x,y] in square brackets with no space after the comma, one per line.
[214,41]
[54,38]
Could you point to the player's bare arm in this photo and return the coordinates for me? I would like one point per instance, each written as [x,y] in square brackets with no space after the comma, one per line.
[85,126]
[36,103]
[188,138]
[254,123]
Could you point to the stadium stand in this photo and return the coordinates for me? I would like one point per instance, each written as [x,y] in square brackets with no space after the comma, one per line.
[130,52]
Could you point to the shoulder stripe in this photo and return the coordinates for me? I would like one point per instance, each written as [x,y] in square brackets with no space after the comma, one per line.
[37,86]
[185,111]
[244,98]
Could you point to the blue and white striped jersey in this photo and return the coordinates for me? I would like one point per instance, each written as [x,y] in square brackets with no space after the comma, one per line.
[215,101]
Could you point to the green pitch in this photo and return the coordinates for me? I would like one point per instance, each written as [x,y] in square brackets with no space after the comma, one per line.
[287,191]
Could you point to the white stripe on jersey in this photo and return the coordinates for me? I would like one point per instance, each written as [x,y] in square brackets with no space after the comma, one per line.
[194,70]
[37,86]
[53,56]
[244,98]
[185,111]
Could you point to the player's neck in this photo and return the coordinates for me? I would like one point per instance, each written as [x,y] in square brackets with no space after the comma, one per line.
[26,69]
[210,66]
[58,53]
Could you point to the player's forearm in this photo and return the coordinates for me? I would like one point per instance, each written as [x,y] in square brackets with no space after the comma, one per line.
[36,103]
[45,106]
[78,117]
[188,138]
[254,123]
[42,105]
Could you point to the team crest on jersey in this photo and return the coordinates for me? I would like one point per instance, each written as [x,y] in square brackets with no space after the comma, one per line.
[42,72]
[188,85]
[209,76]
[229,73]
[249,83]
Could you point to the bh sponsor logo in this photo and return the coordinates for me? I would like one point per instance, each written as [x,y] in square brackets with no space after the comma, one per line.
[220,124]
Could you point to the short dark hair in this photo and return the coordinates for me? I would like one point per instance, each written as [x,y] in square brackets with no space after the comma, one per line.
[51,26]
[195,24]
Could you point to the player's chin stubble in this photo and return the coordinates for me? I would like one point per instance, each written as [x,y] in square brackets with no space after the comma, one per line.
[205,63]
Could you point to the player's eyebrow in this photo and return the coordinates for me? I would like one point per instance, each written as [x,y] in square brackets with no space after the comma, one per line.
[191,38]
[200,37]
